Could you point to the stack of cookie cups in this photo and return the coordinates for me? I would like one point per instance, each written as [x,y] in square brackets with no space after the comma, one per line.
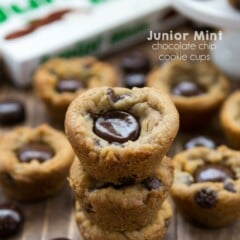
[121,176]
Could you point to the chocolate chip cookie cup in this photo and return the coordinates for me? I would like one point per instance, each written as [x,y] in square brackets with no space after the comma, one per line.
[122,207]
[34,162]
[230,119]
[206,186]
[58,81]
[118,133]
[197,89]
[154,231]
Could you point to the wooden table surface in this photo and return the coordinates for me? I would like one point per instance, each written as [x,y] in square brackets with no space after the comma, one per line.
[55,217]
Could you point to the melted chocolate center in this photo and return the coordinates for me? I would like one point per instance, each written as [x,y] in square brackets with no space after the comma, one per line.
[117,126]
[35,151]
[11,220]
[213,173]
[68,85]
[188,89]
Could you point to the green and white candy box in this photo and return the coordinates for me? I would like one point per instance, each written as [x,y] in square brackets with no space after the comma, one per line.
[31,31]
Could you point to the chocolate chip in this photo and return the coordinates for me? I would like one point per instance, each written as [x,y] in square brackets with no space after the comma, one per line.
[136,62]
[69,85]
[117,126]
[200,141]
[206,198]
[188,89]
[213,173]
[11,112]
[229,186]
[152,183]
[7,178]
[236,4]
[35,151]
[134,80]
[89,208]
[127,180]
[113,98]
[167,222]
[11,220]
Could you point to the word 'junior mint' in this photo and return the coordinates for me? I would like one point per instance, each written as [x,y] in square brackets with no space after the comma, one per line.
[16,7]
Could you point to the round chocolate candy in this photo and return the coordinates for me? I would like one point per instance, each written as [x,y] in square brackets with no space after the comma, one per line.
[188,89]
[200,141]
[136,62]
[134,80]
[35,151]
[213,173]
[69,85]
[11,220]
[11,112]
[117,126]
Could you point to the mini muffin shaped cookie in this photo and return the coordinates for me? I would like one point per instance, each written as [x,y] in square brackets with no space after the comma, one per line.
[197,89]
[119,133]
[125,207]
[206,185]
[58,81]
[230,119]
[34,162]
[154,231]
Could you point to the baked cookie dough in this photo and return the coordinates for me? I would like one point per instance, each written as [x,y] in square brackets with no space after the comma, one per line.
[230,119]
[123,207]
[197,89]
[118,133]
[59,80]
[206,185]
[154,231]
[34,162]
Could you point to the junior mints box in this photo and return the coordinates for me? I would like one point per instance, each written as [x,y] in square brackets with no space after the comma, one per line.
[31,31]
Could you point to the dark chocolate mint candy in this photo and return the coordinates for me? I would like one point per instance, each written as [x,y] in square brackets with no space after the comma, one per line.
[11,220]
[206,198]
[117,126]
[11,112]
[213,173]
[152,183]
[200,141]
[136,62]
[134,80]
[35,151]
[68,85]
[188,89]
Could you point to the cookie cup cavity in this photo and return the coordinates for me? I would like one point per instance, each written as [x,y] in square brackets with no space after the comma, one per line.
[194,111]
[34,180]
[111,162]
[208,204]
[121,207]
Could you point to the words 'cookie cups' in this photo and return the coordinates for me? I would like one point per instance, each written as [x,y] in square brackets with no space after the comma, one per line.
[154,231]
[58,81]
[197,89]
[206,186]
[118,146]
[34,162]
[125,207]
